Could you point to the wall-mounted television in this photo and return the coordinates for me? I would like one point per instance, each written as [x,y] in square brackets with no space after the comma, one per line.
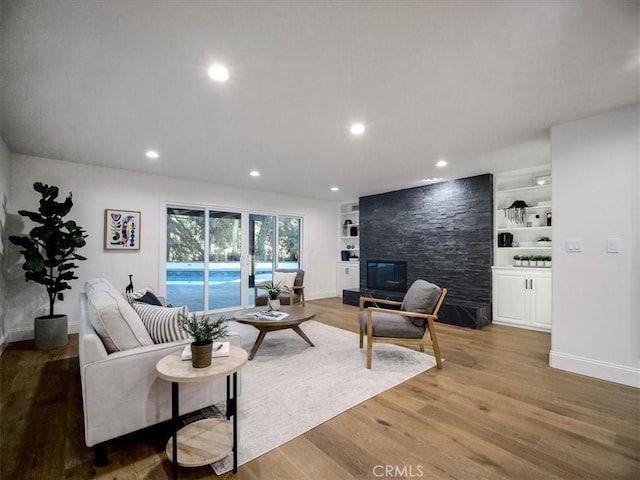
[387,275]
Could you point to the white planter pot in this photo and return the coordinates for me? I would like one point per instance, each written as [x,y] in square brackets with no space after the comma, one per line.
[273,304]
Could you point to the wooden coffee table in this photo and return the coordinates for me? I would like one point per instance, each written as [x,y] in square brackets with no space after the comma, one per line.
[297,315]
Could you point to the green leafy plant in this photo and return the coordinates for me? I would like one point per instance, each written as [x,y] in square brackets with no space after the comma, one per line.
[274,289]
[517,257]
[544,239]
[49,249]
[202,329]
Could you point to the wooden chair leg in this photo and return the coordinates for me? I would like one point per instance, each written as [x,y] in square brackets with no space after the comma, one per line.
[361,338]
[434,342]
[369,351]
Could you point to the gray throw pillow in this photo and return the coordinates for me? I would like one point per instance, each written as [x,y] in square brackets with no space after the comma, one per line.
[421,297]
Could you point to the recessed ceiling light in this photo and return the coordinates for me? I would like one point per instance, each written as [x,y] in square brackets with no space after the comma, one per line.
[152,154]
[357,129]
[254,173]
[541,181]
[219,73]
[430,179]
[334,189]
[441,163]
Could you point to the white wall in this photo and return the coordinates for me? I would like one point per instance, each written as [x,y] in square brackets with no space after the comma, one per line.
[596,306]
[5,173]
[96,189]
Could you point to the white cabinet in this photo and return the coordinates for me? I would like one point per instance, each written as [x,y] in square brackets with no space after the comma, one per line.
[347,276]
[349,230]
[522,297]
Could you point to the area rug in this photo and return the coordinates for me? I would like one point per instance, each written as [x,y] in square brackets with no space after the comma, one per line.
[290,387]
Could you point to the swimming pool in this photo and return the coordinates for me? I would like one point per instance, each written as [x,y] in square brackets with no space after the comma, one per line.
[185,284]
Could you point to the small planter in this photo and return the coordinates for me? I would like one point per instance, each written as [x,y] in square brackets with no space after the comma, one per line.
[525,263]
[547,263]
[518,263]
[274,304]
[201,355]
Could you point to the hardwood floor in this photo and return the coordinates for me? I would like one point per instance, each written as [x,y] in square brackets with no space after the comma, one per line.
[496,410]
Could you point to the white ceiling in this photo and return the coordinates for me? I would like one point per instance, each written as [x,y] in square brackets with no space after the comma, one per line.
[102,82]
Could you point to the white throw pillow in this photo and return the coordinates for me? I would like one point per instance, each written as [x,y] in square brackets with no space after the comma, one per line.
[162,322]
[116,323]
[287,279]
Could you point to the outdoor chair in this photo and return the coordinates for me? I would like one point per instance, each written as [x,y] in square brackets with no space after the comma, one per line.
[412,325]
[293,279]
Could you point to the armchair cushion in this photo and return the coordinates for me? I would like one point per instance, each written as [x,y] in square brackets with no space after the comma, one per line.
[390,325]
[162,322]
[287,278]
[299,279]
[421,297]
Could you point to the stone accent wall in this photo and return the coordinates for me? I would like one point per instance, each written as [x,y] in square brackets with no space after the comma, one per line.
[443,231]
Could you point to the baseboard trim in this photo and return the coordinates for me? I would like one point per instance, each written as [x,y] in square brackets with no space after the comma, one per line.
[3,343]
[23,334]
[595,368]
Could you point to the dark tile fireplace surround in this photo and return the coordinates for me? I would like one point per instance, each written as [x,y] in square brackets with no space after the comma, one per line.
[444,232]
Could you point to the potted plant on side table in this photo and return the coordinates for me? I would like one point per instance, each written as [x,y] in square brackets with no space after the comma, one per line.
[273,292]
[49,251]
[204,332]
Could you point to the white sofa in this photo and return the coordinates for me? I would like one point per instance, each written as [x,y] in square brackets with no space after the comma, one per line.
[121,391]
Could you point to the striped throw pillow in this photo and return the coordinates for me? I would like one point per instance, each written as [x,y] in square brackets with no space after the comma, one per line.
[162,322]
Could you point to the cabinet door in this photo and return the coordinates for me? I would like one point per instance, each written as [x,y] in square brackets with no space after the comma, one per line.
[347,276]
[352,276]
[540,301]
[510,298]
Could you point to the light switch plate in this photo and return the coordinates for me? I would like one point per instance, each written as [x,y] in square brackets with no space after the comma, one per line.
[613,245]
[573,246]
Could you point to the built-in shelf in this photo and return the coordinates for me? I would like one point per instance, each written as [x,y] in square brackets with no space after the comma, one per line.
[349,218]
[516,229]
[533,247]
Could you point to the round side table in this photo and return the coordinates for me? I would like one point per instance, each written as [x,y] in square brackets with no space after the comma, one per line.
[204,441]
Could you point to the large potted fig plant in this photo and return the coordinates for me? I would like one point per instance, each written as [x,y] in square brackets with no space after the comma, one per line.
[49,251]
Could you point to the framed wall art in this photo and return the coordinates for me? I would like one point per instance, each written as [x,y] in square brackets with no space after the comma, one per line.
[121,230]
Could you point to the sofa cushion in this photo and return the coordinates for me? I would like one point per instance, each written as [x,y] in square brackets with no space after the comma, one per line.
[421,297]
[116,323]
[145,295]
[162,322]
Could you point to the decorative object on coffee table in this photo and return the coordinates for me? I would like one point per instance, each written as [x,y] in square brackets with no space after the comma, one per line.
[293,278]
[273,291]
[49,250]
[204,332]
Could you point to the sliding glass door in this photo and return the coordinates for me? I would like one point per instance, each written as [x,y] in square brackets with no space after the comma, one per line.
[210,265]
[185,265]
[225,253]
